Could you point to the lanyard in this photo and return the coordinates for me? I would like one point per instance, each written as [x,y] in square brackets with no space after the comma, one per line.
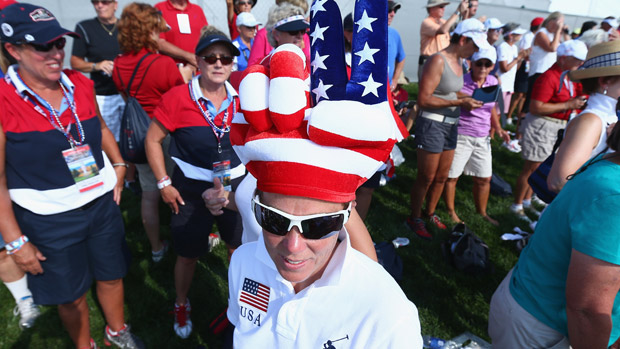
[217,131]
[569,85]
[54,117]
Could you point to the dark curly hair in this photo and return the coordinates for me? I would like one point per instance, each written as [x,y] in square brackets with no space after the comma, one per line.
[136,26]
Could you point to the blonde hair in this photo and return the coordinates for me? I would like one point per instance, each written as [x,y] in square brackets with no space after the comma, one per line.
[136,26]
[278,13]
[553,16]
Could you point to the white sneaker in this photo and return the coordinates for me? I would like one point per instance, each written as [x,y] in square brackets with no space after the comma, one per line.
[28,312]
[520,213]
[532,209]
[157,256]
[182,323]
[538,201]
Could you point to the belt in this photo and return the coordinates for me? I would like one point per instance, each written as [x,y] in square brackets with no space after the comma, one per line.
[554,120]
[438,117]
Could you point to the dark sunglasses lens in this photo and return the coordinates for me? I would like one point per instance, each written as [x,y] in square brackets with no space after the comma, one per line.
[296,32]
[226,60]
[210,59]
[318,228]
[485,64]
[59,44]
[271,221]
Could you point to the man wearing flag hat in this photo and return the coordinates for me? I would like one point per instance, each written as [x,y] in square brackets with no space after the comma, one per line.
[301,285]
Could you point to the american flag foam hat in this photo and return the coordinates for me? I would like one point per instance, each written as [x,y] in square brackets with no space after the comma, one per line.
[326,151]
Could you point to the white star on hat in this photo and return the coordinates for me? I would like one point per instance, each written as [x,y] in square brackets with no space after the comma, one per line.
[318,7]
[318,62]
[317,33]
[321,91]
[370,86]
[367,54]
[365,22]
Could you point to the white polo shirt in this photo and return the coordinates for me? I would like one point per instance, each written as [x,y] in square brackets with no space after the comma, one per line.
[355,304]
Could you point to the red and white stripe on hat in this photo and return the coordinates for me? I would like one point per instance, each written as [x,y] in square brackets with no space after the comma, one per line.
[325,152]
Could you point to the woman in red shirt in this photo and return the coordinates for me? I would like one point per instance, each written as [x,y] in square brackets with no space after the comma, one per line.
[138,33]
[554,99]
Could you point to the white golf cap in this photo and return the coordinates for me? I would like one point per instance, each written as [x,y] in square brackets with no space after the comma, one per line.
[574,48]
[247,19]
[518,31]
[474,29]
[489,53]
[612,22]
[493,23]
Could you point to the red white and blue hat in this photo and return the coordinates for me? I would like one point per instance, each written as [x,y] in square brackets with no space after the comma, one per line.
[23,23]
[326,151]
[292,23]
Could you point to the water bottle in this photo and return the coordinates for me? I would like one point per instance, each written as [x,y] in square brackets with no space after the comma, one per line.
[438,343]
[432,342]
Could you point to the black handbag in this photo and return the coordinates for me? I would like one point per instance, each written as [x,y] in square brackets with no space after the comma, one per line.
[538,179]
[135,121]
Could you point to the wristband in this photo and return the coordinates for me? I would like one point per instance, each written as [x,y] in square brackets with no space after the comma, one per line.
[16,244]
[94,67]
[457,13]
[117,164]
[164,182]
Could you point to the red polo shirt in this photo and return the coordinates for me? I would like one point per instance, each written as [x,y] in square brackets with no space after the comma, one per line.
[160,77]
[546,90]
[192,13]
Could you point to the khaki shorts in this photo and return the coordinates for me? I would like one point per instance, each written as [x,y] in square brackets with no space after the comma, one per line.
[148,182]
[511,326]
[472,156]
[539,136]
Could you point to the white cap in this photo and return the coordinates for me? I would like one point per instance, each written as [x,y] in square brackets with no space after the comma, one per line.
[474,29]
[246,19]
[493,23]
[574,48]
[612,22]
[489,53]
[518,31]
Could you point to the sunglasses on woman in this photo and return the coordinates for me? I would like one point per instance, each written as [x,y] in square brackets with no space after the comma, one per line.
[312,227]
[486,64]
[105,2]
[296,32]
[211,59]
[59,44]
[241,3]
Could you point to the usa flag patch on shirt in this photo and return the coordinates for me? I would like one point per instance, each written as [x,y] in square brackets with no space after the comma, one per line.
[255,294]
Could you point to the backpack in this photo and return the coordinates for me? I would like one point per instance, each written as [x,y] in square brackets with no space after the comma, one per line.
[135,121]
[500,187]
[466,251]
[538,179]
[387,257]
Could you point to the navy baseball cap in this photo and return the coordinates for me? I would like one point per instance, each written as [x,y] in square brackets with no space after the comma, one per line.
[214,39]
[23,23]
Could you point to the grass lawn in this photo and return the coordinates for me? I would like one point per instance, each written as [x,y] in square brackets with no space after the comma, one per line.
[449,302]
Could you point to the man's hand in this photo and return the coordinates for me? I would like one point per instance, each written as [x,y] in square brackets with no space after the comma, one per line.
[105,66]
[576,103]
[216,198]
[28,259]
